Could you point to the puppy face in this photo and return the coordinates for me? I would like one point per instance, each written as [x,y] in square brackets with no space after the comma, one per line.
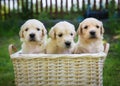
[91,28]
[32,31]
[63,33]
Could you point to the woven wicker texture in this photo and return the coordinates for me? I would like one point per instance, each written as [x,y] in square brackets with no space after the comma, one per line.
[58,70]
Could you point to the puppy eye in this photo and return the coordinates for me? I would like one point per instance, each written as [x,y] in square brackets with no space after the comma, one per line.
[85,27]
[26,29]
[97,26]
[60,35]
[38,29]
[71,34]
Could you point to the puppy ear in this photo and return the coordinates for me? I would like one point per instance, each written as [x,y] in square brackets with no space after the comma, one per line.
[74,31]
[102,29]
[79,30]
[52,33]
[21,33]
[44,31]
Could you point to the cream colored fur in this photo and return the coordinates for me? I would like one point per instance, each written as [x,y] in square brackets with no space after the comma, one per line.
[36,43]
[86,42]
[59,34]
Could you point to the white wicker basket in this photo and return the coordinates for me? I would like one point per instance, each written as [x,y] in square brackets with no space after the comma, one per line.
[59,69]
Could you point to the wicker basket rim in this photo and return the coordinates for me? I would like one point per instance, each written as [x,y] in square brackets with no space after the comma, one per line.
[85,55]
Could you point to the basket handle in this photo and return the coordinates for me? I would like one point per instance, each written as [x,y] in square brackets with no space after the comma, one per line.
[12,49]
[106,47]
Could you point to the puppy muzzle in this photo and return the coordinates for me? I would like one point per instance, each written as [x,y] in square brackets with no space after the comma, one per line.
[92,34]
[68,44]
[32,37]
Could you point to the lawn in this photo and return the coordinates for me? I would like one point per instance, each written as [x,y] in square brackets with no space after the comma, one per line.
[6,67]
[111,73]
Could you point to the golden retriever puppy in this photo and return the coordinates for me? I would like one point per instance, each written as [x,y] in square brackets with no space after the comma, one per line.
[33,35]
[90,36]
[61,39]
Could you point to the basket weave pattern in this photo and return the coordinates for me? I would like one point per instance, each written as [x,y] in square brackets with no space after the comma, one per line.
[58,70]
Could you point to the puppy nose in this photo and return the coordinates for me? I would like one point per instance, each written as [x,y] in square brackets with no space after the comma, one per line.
[67,43]
[32,35]
[92,33]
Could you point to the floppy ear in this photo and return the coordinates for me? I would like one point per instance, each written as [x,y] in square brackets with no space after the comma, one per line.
[102,29]
[74,31]
[52,33]
[21,33]
[44,31]
[79,30]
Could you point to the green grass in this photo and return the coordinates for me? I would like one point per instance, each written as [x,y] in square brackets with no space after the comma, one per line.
[111,73]
[6,67]
[112,65]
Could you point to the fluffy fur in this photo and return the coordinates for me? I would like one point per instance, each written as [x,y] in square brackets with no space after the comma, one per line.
[90,36]
[61,39]
[33,35]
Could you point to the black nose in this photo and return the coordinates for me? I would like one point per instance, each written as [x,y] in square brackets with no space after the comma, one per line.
[67,43]
[32,35]
[92,33]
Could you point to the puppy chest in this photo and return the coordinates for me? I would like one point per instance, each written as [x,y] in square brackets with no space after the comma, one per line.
[35,49]
[94,48]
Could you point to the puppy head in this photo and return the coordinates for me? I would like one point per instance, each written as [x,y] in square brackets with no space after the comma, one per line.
[32,31]
[91,28]
[63,33]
